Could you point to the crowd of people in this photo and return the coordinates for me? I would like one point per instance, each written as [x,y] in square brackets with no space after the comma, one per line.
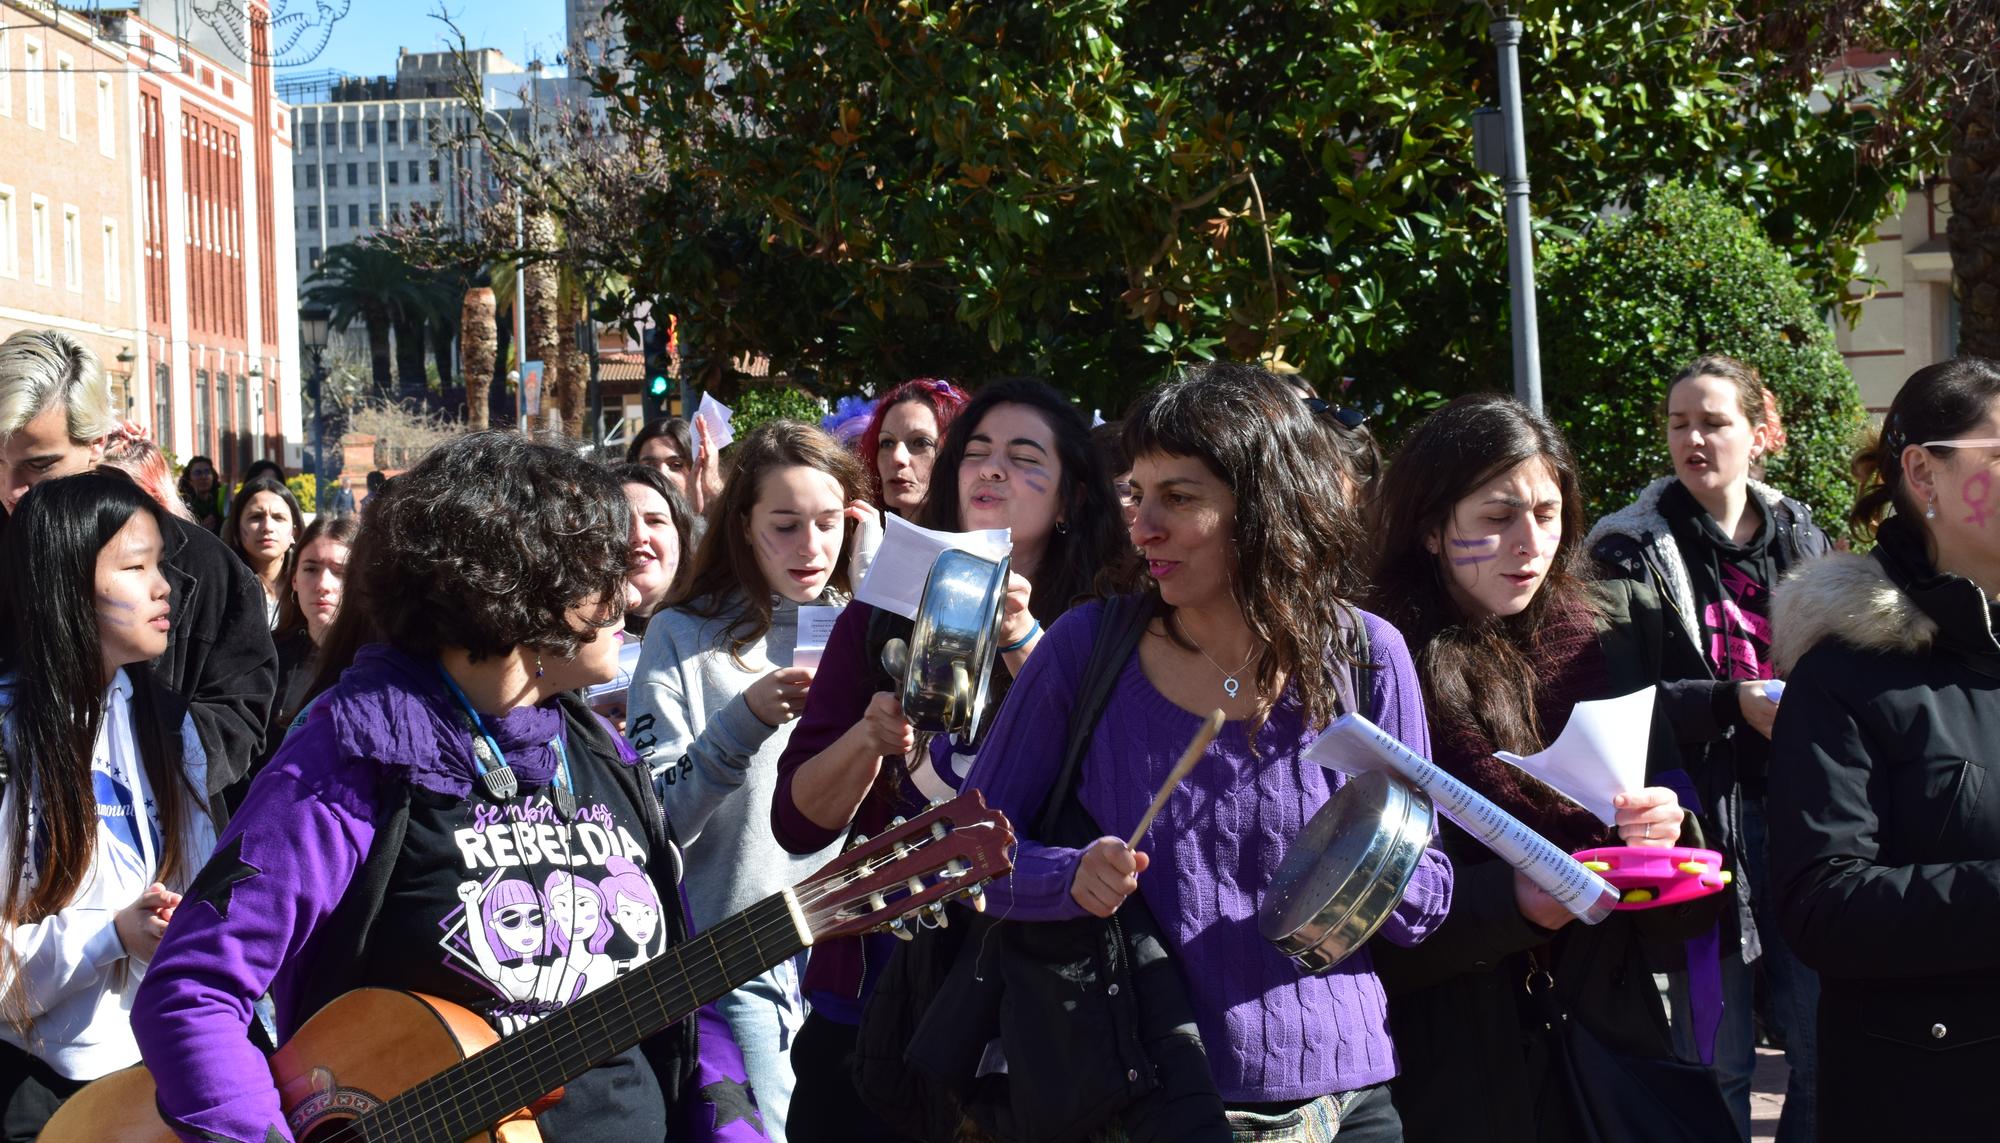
[252,761]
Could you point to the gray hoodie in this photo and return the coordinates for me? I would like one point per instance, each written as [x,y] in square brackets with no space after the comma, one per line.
[714,762]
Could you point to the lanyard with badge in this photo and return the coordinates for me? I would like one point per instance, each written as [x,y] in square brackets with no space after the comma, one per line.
[494,772]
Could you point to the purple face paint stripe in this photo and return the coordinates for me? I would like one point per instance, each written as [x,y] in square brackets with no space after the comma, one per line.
[1466,561]
[1480,543]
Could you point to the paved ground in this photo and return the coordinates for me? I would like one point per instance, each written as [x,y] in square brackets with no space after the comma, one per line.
[1767,1094]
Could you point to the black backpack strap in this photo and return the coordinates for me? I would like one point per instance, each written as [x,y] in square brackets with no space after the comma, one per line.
[1120,624]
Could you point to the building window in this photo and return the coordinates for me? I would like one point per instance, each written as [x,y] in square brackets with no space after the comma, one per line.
[31,76]
[72,250]
[374,214]
[6,72]
[204,405]
[434,170]
[246,435]
[332,175]
[395,172]
[107,117]
[374,174]
[368,132]
[413,173]
[111,260]
[308,136]
[395,212]
[353,216]
[10,243]
[353,172]
[312,257]
[312,175]
[312,218]
[38,234]
[347,133]
[163,407]
[65,97]
[327,133]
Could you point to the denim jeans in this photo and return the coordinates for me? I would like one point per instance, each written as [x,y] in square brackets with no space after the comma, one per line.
[1792,997]
[764,1016]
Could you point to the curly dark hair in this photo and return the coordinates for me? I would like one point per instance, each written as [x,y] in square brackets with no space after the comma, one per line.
[1297,545]
[1478,674]
[488,544]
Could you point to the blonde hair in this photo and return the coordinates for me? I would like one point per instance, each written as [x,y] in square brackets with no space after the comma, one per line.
[41,368]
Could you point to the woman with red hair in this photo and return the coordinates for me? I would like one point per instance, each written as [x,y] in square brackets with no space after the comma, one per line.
[901,440]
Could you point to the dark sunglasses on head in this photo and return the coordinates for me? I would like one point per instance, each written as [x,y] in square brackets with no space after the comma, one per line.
[1348,418]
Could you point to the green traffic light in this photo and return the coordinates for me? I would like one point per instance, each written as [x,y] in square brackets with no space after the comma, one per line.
[659,385]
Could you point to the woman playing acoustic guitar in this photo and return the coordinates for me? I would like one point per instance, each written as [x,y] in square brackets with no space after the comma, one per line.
[442,822]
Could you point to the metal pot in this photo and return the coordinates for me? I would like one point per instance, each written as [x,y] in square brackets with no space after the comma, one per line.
[948,660]
[1346,871]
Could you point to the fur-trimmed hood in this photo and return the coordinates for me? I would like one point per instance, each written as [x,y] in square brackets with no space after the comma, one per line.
[1850,598]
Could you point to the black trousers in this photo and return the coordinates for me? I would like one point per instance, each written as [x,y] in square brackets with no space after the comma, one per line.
[825,1107]
[30,1092]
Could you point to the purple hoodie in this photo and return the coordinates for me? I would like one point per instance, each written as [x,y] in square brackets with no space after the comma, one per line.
[302,834]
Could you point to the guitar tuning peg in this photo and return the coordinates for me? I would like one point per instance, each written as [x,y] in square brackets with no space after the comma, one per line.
[936,910]
[901,930]
[976,896]
[936,802]
[898,820]
[938,832]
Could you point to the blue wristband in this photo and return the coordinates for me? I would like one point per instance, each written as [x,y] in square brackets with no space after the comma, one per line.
[1023,640]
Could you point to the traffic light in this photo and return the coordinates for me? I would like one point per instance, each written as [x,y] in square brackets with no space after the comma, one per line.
[656,391]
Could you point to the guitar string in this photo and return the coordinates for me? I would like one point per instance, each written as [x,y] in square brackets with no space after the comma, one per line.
[434,1108]
[813,896]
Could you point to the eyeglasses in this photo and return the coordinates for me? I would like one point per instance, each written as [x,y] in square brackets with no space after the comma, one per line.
[1348,418]
[1124,490]
[1967,442]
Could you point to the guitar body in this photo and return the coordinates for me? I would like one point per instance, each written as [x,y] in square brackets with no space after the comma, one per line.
[351,1057]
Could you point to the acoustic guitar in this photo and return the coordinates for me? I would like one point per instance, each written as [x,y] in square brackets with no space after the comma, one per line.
[380,1064]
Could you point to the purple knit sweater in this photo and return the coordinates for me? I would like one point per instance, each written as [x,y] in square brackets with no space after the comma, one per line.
[1272,1032]
[302,834]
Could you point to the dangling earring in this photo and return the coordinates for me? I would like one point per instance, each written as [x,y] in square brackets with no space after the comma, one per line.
[1062,527]
[1930,513]
[538,665]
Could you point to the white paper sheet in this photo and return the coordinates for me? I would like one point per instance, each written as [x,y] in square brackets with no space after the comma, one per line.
[895,581]
[1600,754]
[815,624]
[716,416]
[1354,745]
[628,664]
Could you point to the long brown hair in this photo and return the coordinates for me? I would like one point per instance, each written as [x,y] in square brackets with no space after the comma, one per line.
[325,526]
[1296,544]
[725,567]
[1478,673]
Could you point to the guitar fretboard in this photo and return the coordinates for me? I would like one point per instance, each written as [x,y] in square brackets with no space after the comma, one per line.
[471,1096]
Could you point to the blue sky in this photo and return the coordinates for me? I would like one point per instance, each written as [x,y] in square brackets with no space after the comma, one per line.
[364,42]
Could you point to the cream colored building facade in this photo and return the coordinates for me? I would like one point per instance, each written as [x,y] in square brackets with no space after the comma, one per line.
[1912,321]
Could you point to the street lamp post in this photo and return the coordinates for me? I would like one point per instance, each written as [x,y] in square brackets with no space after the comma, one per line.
[586,343]
[313,323]
[1506,33]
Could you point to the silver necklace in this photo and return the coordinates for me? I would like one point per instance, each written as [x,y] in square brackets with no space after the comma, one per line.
[1229,683]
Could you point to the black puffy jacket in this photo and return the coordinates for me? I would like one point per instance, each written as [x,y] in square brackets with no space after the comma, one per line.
[1885,836]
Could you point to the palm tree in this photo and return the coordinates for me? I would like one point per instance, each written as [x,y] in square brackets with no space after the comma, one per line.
[479,338]
[359,283]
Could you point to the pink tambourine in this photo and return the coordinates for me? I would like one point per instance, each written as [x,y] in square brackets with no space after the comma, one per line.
[1648,877]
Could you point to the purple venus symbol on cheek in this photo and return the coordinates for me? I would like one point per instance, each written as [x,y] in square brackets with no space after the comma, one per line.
[1982,509]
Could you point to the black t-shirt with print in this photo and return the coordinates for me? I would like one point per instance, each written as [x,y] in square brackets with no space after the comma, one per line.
[508,910]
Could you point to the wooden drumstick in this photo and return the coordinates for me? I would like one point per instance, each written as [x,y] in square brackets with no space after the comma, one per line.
[1210,727]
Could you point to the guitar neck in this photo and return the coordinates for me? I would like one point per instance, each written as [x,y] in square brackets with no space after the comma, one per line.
[471,1096]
